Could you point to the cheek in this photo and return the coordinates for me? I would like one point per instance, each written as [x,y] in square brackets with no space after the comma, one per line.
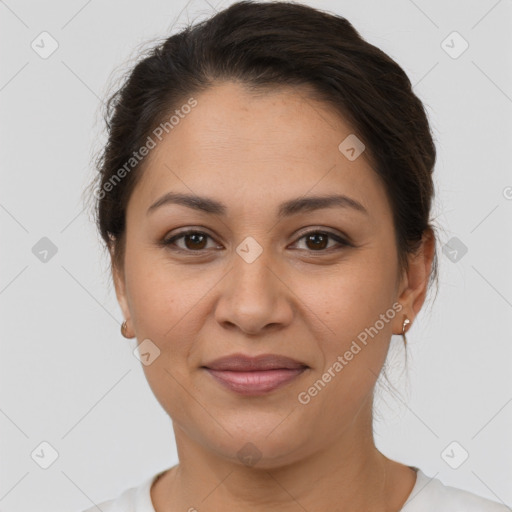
[164,310]
[169,306]
[356,292]
[162,296]
[356,304]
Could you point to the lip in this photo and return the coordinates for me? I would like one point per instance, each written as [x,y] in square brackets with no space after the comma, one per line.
[243,363]
[254,382]
[258,375]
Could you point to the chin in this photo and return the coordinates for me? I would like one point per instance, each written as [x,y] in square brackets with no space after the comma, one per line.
[260,448]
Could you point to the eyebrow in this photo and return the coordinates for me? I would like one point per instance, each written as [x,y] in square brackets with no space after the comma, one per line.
[286,209]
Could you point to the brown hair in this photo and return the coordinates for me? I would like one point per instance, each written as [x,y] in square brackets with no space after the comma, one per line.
[267,45]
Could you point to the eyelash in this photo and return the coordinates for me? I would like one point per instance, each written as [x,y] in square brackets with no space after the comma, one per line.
[170,241]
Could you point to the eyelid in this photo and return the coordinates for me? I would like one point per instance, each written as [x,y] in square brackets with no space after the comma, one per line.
[336,234]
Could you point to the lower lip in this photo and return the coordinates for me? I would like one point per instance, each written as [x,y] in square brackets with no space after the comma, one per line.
[255,382]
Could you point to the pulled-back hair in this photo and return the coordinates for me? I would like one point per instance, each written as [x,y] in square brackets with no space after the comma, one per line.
[266,46]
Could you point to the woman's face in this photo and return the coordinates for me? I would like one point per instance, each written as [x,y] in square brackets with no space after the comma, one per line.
[250,282]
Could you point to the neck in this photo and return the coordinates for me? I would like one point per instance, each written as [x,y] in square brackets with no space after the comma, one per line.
[349,474]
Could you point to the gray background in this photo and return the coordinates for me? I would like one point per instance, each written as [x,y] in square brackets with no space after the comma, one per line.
[68,377]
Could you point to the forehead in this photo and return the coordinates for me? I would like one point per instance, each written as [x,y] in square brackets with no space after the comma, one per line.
[255,148]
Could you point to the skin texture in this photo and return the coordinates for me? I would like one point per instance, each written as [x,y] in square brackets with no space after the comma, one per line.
[253,152]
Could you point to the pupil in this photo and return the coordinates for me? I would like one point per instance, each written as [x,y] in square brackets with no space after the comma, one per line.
[312,238]
[194,237]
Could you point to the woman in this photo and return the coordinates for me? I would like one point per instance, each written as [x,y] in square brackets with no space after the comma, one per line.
[265,196]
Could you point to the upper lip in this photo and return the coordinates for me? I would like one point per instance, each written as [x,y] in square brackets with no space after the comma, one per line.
[243,363]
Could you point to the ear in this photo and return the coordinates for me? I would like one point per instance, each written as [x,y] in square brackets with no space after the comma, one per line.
[415,280]
[119,285]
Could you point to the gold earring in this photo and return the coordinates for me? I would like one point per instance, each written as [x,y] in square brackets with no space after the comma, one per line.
[123,330]
[405,328]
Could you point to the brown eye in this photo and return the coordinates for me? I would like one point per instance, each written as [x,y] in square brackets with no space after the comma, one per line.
[194,241]
[317,241]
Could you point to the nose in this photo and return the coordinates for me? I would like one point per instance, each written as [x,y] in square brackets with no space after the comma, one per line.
[254,297]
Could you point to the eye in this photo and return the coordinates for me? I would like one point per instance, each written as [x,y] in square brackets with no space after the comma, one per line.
[196,241]
[318,240]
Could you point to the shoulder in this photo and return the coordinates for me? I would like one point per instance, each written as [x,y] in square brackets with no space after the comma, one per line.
[431,494]
[134,499]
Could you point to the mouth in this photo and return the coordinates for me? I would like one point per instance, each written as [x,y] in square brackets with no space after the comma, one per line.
[254,375]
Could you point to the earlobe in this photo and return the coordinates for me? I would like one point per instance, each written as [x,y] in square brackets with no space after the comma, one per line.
[125,332]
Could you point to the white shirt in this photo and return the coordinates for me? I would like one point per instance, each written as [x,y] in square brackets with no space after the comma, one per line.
[428,495]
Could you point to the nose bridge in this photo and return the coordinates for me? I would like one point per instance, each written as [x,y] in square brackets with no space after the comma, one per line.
[252,296]
[252,278]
